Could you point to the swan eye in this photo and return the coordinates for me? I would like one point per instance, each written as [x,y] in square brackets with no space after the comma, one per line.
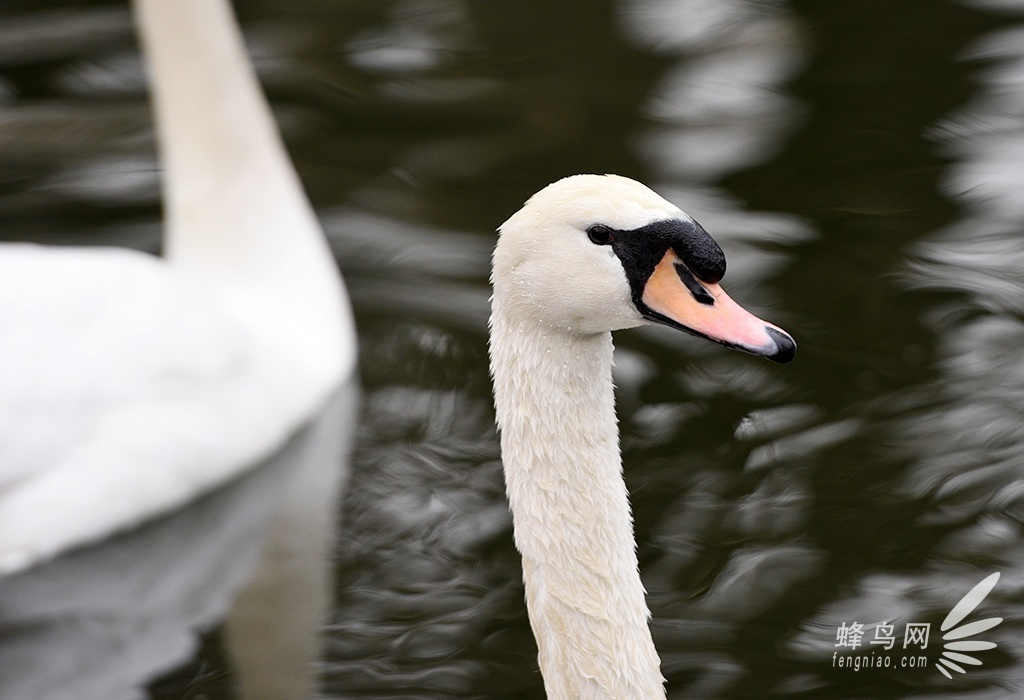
[600,235]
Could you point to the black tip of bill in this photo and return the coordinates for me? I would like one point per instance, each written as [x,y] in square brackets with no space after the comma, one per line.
[785,346]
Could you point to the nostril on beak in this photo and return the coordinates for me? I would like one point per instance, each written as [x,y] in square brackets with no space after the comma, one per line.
[785,346]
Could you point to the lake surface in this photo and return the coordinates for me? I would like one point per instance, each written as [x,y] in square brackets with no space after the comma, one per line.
[862,166]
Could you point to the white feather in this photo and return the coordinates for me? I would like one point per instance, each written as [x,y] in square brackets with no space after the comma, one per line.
[130,384]
[556,297]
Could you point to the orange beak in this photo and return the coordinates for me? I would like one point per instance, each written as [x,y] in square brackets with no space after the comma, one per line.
[675,297]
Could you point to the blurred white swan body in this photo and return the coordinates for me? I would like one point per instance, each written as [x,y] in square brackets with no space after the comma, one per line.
[585,256]
[131,384]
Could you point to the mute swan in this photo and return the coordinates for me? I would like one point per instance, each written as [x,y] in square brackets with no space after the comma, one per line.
[585,256]
[130,384]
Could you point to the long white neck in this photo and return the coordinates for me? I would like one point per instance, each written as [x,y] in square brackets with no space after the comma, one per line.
[573,527]
[238,221]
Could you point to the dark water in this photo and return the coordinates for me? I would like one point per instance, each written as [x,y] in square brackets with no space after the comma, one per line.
[862,165]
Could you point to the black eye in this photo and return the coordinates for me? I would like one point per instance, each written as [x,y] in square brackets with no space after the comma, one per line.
[600,235]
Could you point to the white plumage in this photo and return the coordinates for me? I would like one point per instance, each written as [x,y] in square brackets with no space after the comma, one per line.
[560,286]
[131,384]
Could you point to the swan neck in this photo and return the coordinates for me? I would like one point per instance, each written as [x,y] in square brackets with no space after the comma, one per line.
[555,406]
[237,220]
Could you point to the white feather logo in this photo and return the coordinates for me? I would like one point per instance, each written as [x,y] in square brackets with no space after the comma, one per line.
[955,642]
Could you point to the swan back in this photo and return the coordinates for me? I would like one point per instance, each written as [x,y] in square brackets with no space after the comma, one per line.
[130,384]
[123,393]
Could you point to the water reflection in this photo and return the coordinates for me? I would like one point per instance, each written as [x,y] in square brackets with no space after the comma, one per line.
[388,263]
[423,591]
[969,461]
[103,621]
[962,432]
[969,450]
[419,37]
[721,106]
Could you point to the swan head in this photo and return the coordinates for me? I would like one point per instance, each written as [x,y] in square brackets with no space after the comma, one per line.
[596,253]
